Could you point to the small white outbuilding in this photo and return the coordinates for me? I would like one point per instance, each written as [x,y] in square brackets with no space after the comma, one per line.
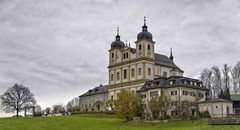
[216,107]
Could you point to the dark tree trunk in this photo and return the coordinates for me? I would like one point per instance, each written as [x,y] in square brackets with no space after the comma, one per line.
[17,112]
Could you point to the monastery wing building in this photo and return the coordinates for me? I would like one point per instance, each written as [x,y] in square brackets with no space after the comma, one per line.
[148,73]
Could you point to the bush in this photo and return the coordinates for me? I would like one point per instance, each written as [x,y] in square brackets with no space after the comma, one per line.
[204,114]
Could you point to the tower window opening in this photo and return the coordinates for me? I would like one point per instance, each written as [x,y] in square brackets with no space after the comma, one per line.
[112,55]
[149,48]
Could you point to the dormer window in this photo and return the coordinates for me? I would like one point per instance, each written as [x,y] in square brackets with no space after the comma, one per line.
[171,82]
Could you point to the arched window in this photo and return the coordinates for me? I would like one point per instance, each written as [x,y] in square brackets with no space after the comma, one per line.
[140,47]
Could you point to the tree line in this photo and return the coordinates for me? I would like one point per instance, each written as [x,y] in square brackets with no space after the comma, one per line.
[222,81]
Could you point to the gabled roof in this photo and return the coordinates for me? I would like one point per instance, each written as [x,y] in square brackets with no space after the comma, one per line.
[96,90]
[165,61]
[176,81]
[215,100]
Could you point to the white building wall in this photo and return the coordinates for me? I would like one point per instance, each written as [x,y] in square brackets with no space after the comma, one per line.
[216,109]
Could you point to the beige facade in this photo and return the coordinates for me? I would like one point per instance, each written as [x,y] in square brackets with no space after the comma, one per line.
[174,94]
[130,68]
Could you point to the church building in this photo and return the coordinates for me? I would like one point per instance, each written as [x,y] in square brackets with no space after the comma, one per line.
[141,70]
[130,68]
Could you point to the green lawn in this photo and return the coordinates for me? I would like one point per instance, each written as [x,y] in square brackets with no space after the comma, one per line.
[102,122]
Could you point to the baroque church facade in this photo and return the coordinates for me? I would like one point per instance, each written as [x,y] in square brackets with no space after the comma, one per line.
[130,68]
[142,70]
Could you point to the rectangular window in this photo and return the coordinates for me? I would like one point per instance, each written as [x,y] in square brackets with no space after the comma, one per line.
[192,94]
[173,93]
[154,94]
[118,75]
[149,71]
[139,71]
[164,74]
[200,95]
[124,56]
[112,97]
[132,72]
[125,74]
[143,96]
[185,93]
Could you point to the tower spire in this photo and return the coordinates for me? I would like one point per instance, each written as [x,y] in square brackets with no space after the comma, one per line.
[117,37]
[144,27]
[171,56]
[144,20]
[117,31]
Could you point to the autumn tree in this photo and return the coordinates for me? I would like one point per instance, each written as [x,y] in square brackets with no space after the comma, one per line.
[16,98]
[125,105]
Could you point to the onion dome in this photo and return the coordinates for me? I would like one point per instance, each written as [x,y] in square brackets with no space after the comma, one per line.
[117,43]
[144,34]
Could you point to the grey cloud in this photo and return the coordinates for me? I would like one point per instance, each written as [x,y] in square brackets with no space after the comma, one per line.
[60,48]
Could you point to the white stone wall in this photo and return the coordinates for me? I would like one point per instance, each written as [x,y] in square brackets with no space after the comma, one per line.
[87,102]
[216,109]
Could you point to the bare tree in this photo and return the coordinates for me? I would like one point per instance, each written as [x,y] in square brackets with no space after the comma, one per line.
[206,77]
[73,105]
[217,81]
[16,98]
[236,78]
[226,78]
[58,108]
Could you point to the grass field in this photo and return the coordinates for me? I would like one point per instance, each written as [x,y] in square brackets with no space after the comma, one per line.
[102,122]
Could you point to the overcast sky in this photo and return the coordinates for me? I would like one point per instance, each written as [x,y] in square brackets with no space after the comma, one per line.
[59,48]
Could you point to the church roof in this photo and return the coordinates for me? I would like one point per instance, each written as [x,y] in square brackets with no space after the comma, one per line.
[97,90]
[165,61]
[164,82]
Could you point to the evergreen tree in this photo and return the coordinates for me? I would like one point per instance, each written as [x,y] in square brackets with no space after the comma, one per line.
[221,94]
